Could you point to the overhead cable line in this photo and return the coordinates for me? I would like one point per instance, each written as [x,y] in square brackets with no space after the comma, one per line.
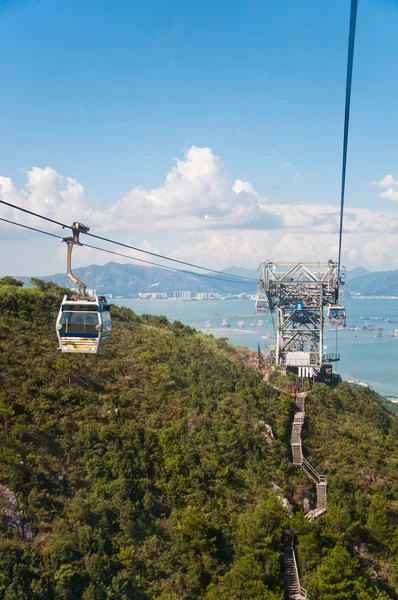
[110,241]
[169,268]
[350,60]
[129,257]
[32,228]
[181,262]
[29,212]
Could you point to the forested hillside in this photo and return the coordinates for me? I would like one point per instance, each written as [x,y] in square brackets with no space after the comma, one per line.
[148,472]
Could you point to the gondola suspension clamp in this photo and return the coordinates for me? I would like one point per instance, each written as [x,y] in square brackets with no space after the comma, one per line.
[77,229]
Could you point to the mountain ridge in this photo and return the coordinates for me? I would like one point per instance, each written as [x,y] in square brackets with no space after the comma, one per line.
[127,279]
[124,279]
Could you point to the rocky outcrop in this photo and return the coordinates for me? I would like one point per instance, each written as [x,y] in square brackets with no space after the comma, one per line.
[11,513]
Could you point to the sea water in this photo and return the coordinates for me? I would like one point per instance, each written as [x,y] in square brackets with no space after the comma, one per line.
[369,356]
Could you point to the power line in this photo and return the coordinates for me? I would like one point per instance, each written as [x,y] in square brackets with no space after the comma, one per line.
[104,239]
[350,60]
[129,257]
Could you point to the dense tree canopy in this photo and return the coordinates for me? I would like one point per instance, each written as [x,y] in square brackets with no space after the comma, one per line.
[7,280]
[146,472]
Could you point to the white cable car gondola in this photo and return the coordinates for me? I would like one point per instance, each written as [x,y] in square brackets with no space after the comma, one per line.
[336,316]
[84,322]
[262,305]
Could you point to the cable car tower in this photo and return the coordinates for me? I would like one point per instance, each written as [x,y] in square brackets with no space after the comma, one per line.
[298,293]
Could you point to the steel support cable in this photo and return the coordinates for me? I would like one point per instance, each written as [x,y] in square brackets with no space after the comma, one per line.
[168,268]
[59,237]
[148,262]
[350,61]
[104,239]
[181,262]
[29,212]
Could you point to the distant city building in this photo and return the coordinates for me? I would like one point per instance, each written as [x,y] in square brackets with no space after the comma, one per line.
[396,332]
[144,296]
[201,296]
[159,295]
[183,295]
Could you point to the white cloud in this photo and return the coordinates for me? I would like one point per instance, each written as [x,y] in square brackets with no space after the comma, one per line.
[201,213]
[391,193]
[46,192]
[243,186]
[251,248]
[387,181]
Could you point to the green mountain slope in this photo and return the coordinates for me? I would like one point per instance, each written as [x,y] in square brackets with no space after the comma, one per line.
[147,472]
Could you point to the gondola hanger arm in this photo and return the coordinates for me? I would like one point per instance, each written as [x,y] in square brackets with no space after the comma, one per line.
[77,229]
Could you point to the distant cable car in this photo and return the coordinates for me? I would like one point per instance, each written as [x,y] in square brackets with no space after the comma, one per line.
[84,322]
[336,316]
[262,304]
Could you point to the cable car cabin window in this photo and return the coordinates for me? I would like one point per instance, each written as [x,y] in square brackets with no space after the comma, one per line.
[79,308]
[262,306]
[106,321]
[336,314]
[79,322]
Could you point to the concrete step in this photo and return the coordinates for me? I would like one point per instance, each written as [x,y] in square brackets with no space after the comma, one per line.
[291,575]
[297,455]
[296,433]
[316,512]
[321,495]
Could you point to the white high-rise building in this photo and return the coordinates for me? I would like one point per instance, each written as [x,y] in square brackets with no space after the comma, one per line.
[183,295]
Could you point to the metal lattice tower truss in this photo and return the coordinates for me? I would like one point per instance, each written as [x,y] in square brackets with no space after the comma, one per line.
[299,292]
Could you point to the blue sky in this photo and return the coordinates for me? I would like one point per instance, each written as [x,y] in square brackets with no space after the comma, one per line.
[109,93]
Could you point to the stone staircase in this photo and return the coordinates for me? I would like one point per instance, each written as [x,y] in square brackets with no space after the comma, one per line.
[295,439]
[293,587]
[320,481]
